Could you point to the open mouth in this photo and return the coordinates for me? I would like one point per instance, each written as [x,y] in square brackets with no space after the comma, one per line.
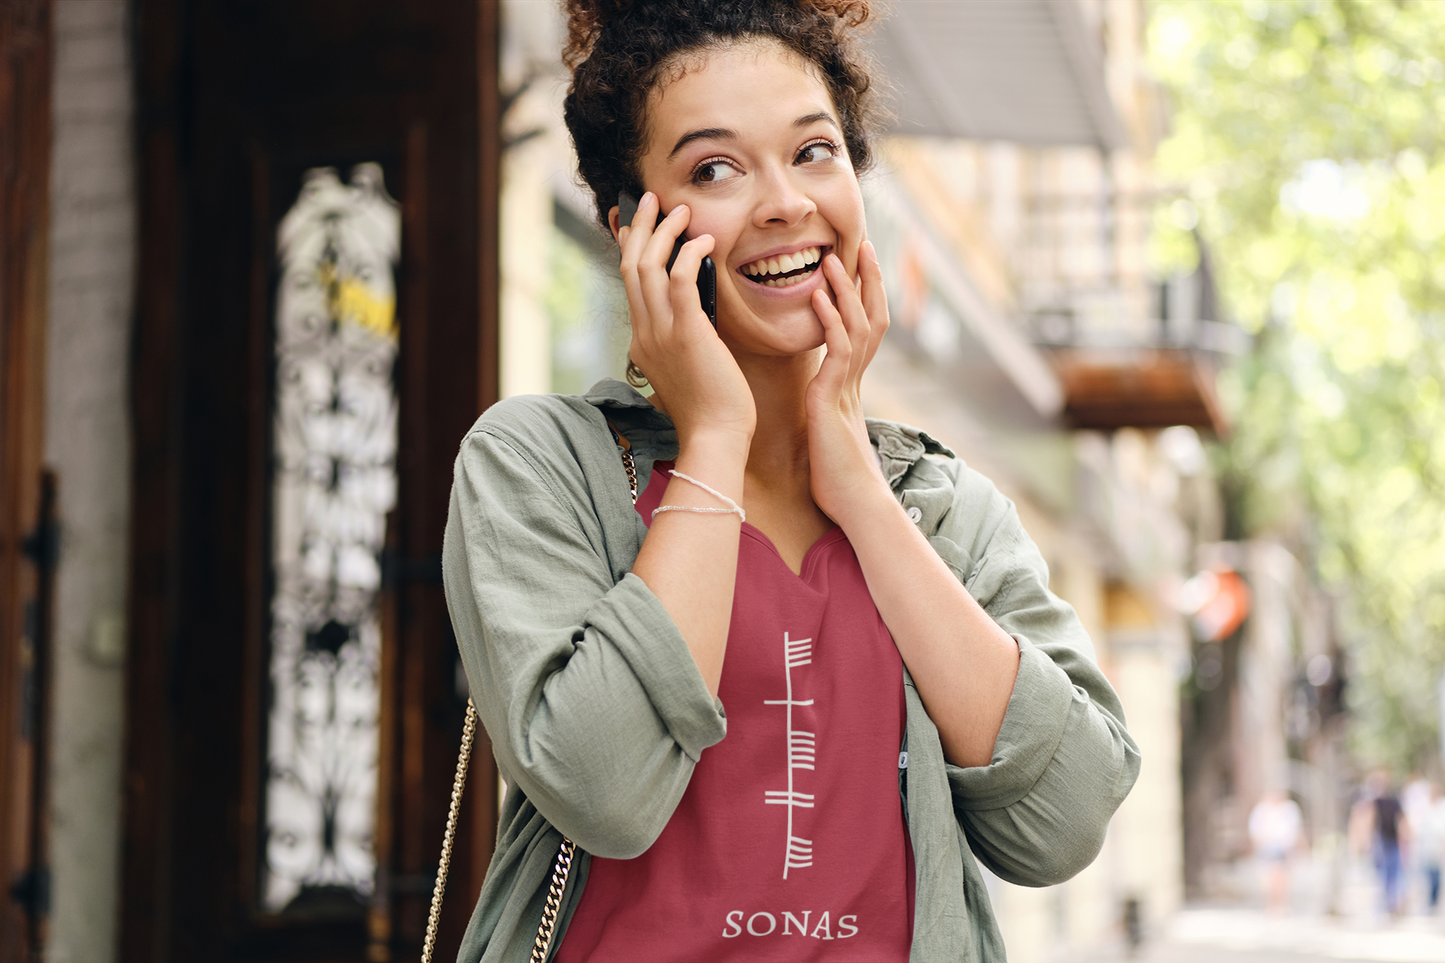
[784,270]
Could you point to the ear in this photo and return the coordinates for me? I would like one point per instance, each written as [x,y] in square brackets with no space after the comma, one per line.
[614,221]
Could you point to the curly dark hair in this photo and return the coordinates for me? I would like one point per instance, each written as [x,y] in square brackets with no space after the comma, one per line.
[619,49]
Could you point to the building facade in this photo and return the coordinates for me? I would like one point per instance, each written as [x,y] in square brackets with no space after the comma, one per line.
[262,270]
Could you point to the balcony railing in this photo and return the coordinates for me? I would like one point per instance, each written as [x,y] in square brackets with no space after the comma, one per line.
[1131,349]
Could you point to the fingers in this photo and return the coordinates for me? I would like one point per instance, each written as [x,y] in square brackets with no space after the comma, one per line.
[633,239]
[854,320]
[855,317]
[873,297]
[647,252]
[832,376]
[651,291]
[683,280]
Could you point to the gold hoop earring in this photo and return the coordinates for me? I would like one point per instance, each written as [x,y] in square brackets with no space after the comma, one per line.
[635,377]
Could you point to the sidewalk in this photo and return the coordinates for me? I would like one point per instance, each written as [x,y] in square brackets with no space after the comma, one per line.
[1243,933]
[1239,935]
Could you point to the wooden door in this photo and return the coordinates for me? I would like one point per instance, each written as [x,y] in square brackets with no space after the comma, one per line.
[252,114]
[26,491]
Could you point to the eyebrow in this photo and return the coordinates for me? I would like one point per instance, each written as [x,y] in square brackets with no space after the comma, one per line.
[727,133]
[705,133]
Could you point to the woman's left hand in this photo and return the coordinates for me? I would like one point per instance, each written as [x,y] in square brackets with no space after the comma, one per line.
[844,469]
[965,676]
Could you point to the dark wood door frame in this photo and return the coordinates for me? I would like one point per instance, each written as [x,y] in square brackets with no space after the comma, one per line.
[26,490]
[235,98]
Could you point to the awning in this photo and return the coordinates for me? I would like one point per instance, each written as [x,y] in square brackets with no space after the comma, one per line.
[1025,71]
[1158,387]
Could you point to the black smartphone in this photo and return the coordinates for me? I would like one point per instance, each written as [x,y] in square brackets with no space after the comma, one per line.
[706,274]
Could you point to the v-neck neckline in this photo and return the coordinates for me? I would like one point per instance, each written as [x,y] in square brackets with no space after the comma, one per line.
[832,535]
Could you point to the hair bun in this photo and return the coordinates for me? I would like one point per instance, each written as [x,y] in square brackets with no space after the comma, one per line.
[585,19]
[849,13]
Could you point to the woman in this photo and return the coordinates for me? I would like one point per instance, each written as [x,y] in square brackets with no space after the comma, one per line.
[900,686]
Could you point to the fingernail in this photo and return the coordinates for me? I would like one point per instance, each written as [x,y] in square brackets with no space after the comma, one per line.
[872,251]
[646,196]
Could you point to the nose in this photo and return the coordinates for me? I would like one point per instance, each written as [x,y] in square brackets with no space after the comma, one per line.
[781,199]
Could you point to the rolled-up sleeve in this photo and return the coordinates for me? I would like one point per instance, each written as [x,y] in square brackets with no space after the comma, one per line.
[1063,760]
[594,705]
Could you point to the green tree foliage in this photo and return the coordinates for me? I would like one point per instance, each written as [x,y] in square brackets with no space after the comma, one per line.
[1309,138]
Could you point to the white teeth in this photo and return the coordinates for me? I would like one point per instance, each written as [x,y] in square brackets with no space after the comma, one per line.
[782,264]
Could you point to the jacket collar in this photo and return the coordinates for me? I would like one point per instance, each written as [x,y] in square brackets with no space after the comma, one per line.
[901,446]
[650,433]
[611,393]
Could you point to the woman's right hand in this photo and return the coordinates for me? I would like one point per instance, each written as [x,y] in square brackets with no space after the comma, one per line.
[689,559]
[697,381]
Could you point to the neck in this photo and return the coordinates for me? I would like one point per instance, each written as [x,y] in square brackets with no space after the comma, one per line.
[778,458]
[777,481]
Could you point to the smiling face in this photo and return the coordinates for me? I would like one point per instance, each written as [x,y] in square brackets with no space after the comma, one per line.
[748,138]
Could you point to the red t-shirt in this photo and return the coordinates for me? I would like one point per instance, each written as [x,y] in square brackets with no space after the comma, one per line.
[789,843]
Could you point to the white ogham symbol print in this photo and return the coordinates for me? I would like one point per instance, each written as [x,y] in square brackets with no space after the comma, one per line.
[801,753]
[801,747]
[797,653]
[800,854]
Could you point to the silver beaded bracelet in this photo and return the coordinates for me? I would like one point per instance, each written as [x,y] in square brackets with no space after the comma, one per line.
[733,509]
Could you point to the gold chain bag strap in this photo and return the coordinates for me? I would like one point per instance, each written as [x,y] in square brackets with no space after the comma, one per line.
[563,866]
[469,729]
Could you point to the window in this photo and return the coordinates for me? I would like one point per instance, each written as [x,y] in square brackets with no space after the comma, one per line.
[333,482]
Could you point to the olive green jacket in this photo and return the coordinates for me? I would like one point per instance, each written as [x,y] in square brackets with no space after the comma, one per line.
[597,712]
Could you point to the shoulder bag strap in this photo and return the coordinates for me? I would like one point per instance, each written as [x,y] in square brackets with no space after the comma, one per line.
[563,866]
[469,729]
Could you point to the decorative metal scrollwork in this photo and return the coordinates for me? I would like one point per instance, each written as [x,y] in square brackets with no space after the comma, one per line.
[333,482]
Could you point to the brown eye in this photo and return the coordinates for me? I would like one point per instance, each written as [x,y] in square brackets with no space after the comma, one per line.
[817,152]
[712,171]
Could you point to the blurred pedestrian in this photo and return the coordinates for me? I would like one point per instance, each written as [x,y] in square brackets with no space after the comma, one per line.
[1275,832]
[1430,844]
[1415,797]
[1378,823]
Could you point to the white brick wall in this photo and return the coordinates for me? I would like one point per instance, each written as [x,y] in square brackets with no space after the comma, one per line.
[92,266]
